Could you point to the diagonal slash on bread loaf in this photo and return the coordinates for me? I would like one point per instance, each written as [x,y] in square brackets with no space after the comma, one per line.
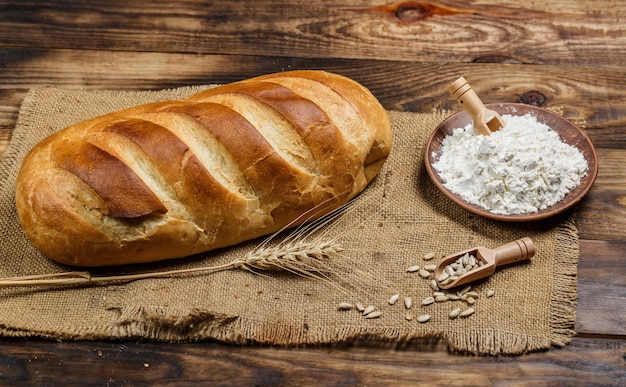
[171,179]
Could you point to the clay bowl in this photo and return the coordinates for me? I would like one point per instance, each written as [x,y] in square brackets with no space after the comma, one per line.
[568,132]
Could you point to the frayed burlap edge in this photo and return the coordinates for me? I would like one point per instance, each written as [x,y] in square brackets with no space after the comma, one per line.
[565,291]
[562,308]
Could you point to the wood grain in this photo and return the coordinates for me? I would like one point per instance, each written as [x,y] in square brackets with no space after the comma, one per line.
[603,212]
[417,87]
[372,364]
[601,293]
[556,32]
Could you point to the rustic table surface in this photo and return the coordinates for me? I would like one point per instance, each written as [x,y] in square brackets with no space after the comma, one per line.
[550,53]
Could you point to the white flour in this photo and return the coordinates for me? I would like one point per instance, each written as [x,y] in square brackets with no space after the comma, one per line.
[522,168]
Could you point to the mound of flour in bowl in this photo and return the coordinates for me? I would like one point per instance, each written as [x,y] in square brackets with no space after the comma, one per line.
[522,168]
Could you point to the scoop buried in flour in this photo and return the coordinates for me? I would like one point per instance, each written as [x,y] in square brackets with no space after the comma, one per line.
[480,262]
[485,120]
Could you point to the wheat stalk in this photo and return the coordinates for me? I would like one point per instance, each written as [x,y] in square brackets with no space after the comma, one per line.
[296,259]
[297,253]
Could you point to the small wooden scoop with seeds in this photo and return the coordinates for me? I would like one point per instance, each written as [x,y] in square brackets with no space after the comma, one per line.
[485,120]
[480,262]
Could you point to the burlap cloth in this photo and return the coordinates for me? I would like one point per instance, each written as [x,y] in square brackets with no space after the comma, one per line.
[400,217]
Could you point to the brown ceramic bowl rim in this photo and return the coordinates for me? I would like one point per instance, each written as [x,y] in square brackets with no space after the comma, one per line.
[568,132]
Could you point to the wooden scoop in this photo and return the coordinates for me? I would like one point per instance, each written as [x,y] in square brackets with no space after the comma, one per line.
[519,250]
[485,120]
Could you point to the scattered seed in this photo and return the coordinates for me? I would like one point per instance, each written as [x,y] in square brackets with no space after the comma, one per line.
[408,302]
[409,315]
[490,293]
[441,299]
[424,273]
[429,256]
[471,294]
[434,286]
[465,289]
[454,313]
[428,301]
[423,318]
[345,306]
[368,310]
[467,312]
[436,294]
[360,307]
[453,296]
[374,314]
[393,299]
[413,269]
[430,268]
[470,300]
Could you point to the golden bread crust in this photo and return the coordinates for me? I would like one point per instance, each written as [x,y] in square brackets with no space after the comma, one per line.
[170,179]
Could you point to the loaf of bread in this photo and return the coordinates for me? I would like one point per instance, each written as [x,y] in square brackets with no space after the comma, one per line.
[171,179]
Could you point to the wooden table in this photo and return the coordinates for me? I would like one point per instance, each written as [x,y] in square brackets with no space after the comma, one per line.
[551,53]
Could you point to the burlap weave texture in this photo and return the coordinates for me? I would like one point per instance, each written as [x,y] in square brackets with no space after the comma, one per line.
[400,217]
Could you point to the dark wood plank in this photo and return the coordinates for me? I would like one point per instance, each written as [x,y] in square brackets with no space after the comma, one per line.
[601,293]
[583,362]
[593,95]
[556,32]
[602,213]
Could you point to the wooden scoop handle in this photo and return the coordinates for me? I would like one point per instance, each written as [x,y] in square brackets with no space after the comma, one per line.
[519,250]
[467,97]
